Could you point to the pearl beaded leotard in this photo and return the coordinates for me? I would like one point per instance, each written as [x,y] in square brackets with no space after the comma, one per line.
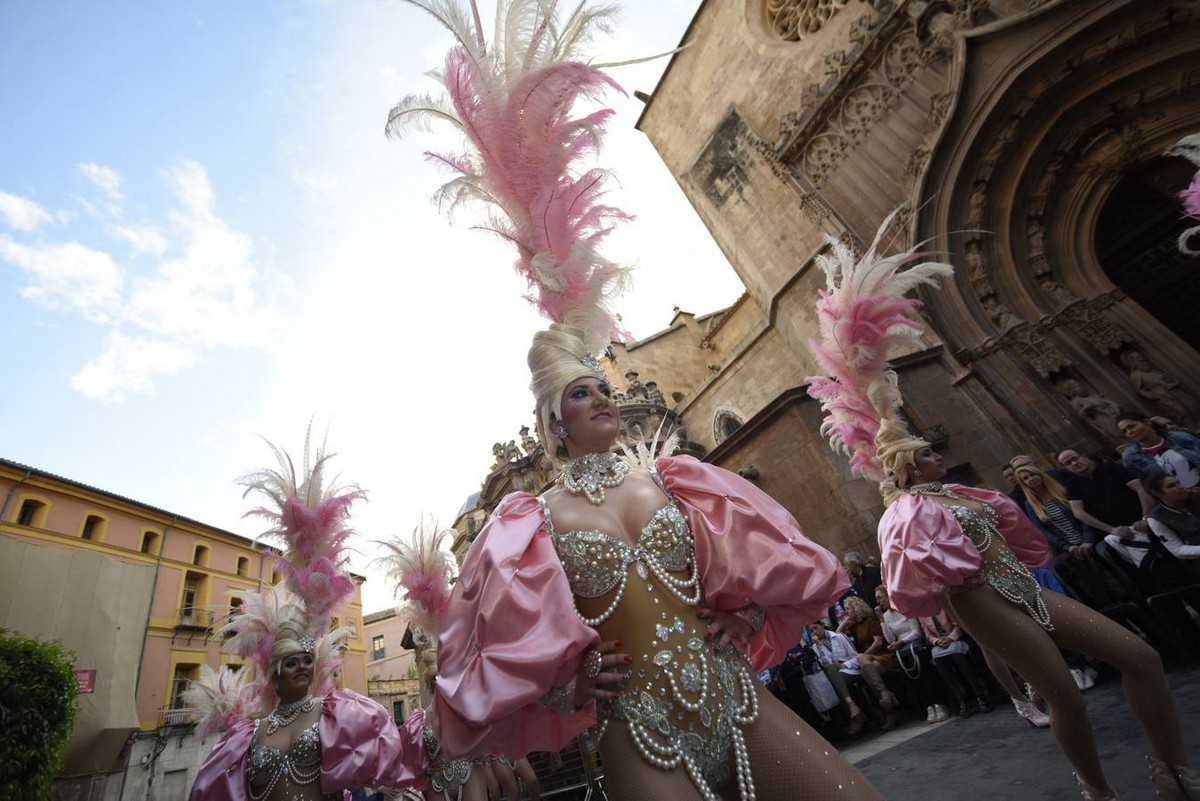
[291,775]
[686,701]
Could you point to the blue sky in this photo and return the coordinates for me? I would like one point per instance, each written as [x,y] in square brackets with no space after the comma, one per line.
[205,238]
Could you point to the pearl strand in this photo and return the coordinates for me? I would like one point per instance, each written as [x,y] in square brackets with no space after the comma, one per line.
[689,706]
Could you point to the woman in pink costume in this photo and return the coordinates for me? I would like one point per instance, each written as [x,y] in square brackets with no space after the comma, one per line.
[967,548]
[290,735]
[645,598]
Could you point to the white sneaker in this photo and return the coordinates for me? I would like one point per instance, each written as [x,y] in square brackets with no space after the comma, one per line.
[1031,713]
[930,715]
[941,713]
[1080,679]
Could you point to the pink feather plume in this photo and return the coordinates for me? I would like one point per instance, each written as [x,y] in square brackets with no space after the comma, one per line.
[864,317]
[515,103]
[422,571]
[1191,197]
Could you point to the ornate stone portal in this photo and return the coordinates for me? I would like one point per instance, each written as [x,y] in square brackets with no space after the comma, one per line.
[1024,137]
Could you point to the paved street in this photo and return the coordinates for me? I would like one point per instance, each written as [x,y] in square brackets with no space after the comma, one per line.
[997,757]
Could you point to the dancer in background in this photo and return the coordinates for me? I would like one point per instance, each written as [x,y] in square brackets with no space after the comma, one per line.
[641,596]
[968,548]
[291,735]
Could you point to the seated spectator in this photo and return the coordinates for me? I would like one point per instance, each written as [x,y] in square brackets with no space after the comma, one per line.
[1056,473]
[949,651]
[865,629]
[1171,520]
[1014,486]
[864,576]
[839,660]
[1108,497]
[1173,452]
[907,644]
[1047,506]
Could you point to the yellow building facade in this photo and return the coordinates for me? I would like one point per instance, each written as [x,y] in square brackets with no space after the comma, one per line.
[157,582]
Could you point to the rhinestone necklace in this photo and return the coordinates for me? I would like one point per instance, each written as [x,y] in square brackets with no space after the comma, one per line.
[591,473]
[286,713]
[932,488]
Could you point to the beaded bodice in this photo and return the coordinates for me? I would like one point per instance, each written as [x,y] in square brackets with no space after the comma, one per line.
[685,701]
[1001,569]
[596,562]
[299,765]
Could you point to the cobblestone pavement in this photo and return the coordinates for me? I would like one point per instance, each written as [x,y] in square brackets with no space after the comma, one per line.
[998,757]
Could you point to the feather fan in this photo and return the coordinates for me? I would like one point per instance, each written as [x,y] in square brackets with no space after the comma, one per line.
[863,317]
[422,571]
[514,100]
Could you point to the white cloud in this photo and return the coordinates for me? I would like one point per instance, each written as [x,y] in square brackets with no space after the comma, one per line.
[315,182]
[22,213]
[68,276]
[104,177]
[129,364]
[163,318]
[147,239]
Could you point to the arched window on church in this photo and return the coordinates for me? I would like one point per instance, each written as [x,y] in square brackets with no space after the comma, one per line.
[725,423]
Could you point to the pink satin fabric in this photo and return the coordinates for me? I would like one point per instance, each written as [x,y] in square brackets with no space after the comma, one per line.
[360,747]
[513,635]
[926,553]
[751,552]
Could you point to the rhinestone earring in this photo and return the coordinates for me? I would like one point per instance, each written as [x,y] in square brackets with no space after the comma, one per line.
[561,431]
[916,472]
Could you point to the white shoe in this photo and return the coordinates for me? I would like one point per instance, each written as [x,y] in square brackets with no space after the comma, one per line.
[930,715]
[1080,679]
[940,713]
[1031,713]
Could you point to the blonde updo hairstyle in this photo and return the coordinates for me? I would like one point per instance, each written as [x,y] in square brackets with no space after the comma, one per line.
[555,360]
[287,642]
[895,449]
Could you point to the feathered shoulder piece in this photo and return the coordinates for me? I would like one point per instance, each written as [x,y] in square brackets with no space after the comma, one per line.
[422,571]
[221,697]
[863,316]
[310,514]
[514,100]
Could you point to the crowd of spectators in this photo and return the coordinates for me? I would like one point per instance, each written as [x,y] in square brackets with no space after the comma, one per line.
[866,665]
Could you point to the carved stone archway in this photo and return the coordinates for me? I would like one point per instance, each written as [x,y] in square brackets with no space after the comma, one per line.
[1038,142]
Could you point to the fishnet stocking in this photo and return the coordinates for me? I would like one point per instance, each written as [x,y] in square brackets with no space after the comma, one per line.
[789,762]
[1033,652]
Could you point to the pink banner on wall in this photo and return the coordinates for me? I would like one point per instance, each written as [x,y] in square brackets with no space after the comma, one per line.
[87,680]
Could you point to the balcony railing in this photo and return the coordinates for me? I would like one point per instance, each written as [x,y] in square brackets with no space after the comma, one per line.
[193,617]
[176,717]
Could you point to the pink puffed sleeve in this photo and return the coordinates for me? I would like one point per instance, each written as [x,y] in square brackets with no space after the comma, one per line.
[511,636]
[1027,543]
[223,775]
[751,552]
[923,552]
[361,746]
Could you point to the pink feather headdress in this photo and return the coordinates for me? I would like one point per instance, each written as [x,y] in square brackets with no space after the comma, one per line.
[311,518]
[514,100]
[422,571]
[864,317]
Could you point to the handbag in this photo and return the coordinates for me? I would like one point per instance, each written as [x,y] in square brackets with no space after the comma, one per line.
[820,691]
[955,647]
[910,657]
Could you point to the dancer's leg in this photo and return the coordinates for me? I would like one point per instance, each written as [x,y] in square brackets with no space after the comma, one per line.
[1003,674]
[1081,628]
[1000,626]
[791,762]
[629,777]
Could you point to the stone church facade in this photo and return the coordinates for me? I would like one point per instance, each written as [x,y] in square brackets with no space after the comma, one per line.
[1020,139]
